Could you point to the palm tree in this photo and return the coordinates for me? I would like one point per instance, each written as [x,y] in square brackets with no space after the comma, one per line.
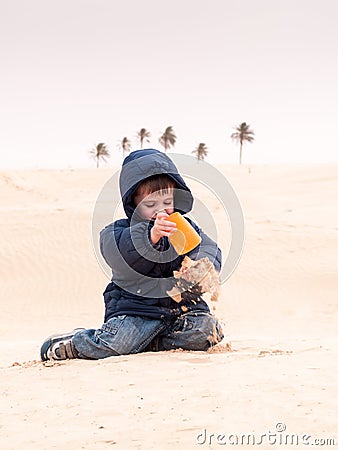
[168,138]
[99,152]
[243,133]
[142,135]
[126,146]
[201,151]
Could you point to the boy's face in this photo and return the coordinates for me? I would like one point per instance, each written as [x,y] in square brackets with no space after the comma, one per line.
[149,205]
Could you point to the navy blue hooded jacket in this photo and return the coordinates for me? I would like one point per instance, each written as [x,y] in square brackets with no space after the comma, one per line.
[142,271]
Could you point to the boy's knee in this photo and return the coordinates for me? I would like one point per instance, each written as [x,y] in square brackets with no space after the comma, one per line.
[207,325]
[206,337]
[215,331]
[195,331]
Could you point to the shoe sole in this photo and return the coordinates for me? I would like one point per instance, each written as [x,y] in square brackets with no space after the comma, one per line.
[51,340]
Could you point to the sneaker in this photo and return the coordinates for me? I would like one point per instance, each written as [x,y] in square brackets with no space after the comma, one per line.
[59,346]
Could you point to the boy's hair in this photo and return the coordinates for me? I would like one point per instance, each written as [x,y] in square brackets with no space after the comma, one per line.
[160,182]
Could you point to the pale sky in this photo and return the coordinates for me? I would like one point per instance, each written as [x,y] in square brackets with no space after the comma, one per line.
[78,72]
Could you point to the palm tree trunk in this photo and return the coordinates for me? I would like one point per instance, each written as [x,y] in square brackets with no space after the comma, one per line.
[97,163]
[240,153]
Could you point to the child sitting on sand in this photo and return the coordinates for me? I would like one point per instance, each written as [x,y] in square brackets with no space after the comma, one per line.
[139,313]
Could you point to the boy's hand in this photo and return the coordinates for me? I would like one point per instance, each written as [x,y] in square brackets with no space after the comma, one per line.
[162,227]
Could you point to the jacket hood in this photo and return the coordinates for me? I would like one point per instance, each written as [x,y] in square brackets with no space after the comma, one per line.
[141,164]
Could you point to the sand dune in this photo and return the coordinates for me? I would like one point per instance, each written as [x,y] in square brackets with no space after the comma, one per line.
[279,309]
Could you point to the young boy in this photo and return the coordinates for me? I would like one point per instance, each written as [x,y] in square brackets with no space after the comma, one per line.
[139,314]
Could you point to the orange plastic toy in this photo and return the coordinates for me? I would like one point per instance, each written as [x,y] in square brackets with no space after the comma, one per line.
[185,238]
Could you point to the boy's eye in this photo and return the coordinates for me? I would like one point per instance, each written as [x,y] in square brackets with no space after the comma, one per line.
[170,202]
[149,205]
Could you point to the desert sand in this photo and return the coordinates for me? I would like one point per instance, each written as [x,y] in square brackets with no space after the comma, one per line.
[279,309]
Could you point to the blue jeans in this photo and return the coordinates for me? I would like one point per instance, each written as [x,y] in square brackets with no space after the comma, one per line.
[123,335]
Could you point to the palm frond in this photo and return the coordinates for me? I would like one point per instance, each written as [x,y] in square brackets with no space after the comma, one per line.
[143,135]
[100,151]
[201,151]
[168,138]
